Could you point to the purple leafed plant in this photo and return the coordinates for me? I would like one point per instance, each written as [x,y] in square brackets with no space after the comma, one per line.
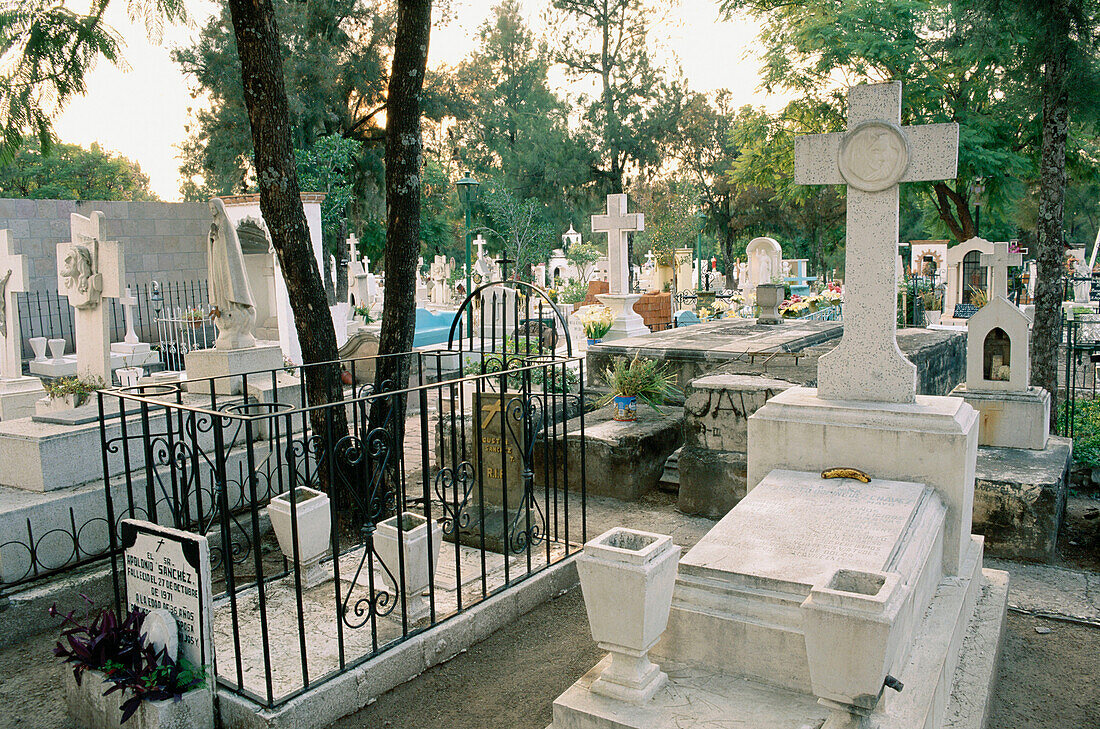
[117,649]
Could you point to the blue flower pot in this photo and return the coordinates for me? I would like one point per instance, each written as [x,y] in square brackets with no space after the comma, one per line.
[626,408]
[592,341]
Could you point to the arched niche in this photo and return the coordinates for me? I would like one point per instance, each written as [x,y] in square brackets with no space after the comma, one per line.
[997,356]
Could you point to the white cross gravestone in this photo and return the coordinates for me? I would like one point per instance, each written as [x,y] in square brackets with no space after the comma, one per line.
[130,345]
[89,268]
[618,224]
[353,248]
[872,158]
[998,263]
[13,279]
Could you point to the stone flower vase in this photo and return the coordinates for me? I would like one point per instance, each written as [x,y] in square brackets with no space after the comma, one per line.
[626,408]
[627,577]
[89,708]
[853,635]
[419,537]
[768,299]
[314,531]
[129,376]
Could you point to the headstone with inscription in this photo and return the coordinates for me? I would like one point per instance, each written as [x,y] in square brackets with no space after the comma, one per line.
[848,571]
[501,450]
[170,569]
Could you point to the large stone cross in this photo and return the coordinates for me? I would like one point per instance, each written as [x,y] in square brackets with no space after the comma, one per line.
[89,268]
[871,158]
[13,279]
[618,223]
[998,262]
[479,244]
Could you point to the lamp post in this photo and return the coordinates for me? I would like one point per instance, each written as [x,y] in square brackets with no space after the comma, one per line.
[701,217]
[978,188]
[467,193]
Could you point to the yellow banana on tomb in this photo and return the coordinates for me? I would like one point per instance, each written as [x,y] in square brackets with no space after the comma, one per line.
[846,473]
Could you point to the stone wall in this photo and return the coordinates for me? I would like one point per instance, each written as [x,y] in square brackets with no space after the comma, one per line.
[163,241]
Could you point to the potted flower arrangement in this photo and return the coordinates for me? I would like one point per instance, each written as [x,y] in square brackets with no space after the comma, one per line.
[194,317]
[596,321]
[66,393]
[119,678]
[363,312]
[311,511]
[646,379]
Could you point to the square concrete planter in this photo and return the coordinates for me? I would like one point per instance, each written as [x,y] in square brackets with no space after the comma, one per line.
[418,536]
[853,638]
[768,299]
[627,577]
[89,708]
[314,531]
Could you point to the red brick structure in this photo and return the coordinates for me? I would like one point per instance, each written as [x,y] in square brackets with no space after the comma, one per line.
[655,307]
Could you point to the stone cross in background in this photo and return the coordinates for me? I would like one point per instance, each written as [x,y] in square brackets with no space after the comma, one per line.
[90,268]
[871,158]
[353,248]
[13,279]
[998,262]
[129,301]
[618,223]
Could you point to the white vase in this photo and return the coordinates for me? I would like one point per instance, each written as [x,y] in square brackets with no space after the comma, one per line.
[129,376]
[419,536]
[627,577]
[38,346]
[313,534]
[57,348]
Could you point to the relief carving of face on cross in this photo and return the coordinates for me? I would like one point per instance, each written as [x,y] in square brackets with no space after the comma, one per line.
[874,156]
[83,284]
[4,278]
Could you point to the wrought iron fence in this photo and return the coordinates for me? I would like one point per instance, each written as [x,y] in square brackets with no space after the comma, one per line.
[481,486]
[48,313]
[1077,380]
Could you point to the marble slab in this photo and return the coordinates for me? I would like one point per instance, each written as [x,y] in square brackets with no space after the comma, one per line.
[798,527]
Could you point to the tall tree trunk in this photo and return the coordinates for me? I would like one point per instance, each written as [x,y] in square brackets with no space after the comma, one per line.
[281,202]
[1047,328]
[403,167]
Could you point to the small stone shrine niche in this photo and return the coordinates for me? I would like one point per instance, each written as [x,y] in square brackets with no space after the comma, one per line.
[997,356]
[997,348]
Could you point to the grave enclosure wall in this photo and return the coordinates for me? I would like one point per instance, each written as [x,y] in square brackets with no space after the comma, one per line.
[162,240]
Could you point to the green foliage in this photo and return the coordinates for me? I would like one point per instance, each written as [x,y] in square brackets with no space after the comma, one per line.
[573,292]
[608,43]
[646,379]
[670,206]
[48,51]
[582,256]
[70,172]
[328,167]
[1086,431]
[519,224]
[80,387]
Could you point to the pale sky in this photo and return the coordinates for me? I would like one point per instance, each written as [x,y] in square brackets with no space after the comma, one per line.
[141,113]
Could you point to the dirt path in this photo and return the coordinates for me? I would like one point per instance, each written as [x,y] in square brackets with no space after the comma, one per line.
[1045,681]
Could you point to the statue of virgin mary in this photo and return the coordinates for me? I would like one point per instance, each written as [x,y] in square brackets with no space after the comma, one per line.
[234,309]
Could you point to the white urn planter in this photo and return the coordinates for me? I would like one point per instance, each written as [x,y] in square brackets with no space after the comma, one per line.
[768,299]
[314,531]
[627,577]
[129,376]
[89,708]
[853,639]
[419,537]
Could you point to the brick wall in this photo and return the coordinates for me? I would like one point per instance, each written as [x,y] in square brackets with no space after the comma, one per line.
[163,241]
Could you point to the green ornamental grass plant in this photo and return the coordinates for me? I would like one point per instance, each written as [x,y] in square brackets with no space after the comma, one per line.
[646,379]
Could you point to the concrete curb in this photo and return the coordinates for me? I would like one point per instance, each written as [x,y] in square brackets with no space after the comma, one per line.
[362,685]
[23,614]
